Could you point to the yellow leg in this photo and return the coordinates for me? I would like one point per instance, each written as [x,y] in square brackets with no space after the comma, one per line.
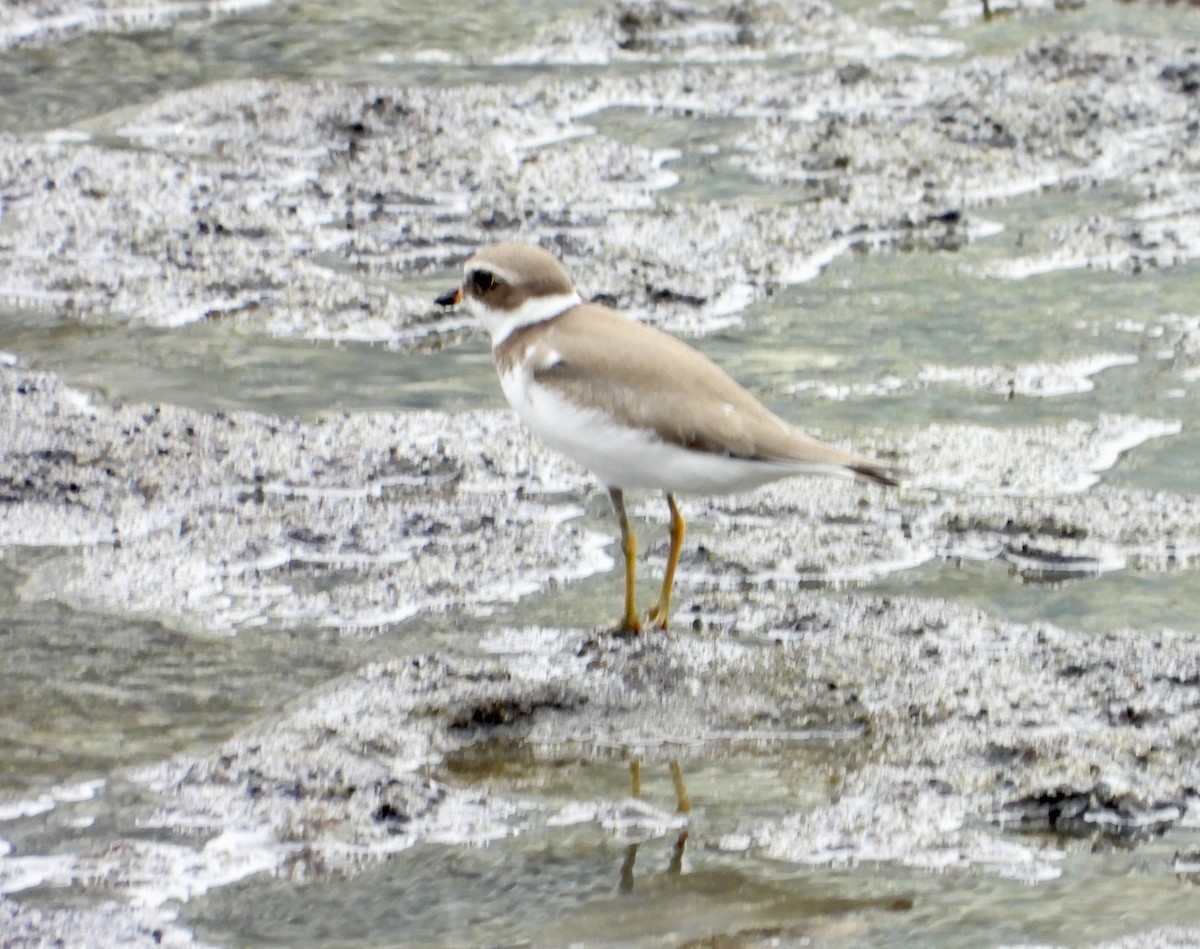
[635,777]
[683,804]
[629,622]
[662,609]
[682,801]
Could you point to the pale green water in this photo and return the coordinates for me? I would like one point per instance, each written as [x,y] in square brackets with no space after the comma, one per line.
[73,711]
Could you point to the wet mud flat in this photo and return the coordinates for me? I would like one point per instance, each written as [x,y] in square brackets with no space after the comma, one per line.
[937,737]
[299,209]
[952,728]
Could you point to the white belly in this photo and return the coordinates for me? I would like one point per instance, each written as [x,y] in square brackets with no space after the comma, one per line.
[634,458]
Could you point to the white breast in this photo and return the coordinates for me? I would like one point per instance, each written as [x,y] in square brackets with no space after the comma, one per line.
[627,457]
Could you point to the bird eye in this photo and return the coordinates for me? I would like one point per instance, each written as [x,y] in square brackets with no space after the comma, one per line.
[482,280]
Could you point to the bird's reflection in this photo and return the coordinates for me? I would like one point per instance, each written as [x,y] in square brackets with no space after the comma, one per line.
[683,805]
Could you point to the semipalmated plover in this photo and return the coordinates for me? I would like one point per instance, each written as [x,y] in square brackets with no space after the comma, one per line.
[637,407]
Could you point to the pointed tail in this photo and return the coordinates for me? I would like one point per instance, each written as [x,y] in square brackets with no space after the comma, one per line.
[879,473]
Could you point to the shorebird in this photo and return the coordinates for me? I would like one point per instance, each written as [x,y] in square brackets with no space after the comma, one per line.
[636,406]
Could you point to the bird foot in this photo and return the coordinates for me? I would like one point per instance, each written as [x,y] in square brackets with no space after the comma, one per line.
[630,627]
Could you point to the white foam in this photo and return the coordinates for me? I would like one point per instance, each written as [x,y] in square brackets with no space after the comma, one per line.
[1107,451]
[966,12]
[25,873]
[733,299]
[804,269]
[840,392]
[49,800]
[26,28]
[1047,461]
[876,44]
[1167,814]
[1040,380]
[74,793]
[65,137]
[161,873]
[853,572]
[433,56]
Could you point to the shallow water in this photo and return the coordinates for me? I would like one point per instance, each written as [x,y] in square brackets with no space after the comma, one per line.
[818,352]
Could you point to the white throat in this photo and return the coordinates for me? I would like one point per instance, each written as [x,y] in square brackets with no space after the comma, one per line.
[501,323]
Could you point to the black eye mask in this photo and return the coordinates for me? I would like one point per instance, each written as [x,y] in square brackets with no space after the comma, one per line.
[482,280]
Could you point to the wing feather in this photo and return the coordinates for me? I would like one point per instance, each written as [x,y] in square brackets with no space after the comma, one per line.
[649,380]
